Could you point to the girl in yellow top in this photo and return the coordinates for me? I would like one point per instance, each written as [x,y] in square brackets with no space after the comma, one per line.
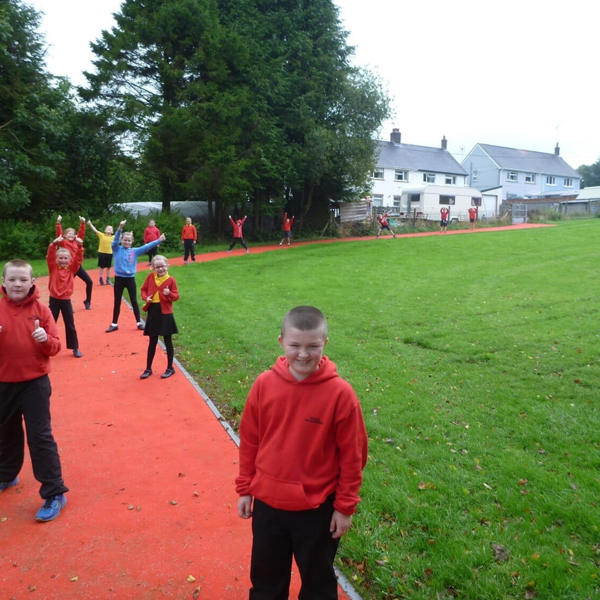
[159,292]
[104,250]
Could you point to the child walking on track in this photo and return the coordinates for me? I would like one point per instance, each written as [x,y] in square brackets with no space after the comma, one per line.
[62,268]
[189,237]
[238,235]
[125,268]
[69,242]
[159,291]
[303,447]
[28,338]
[104,251]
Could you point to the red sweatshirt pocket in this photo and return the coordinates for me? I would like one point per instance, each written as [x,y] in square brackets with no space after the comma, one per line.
[285,495]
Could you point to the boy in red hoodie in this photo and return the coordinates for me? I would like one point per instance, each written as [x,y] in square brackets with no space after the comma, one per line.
[303,447]
[28,338]
[62,268]
[238,233]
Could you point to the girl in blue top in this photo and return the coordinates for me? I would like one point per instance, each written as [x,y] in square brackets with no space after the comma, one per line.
[125,260]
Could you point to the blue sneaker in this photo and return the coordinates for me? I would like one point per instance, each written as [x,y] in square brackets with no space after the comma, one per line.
[6,484]
[51,509]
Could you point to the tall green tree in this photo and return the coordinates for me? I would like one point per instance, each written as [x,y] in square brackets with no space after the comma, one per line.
[590,174]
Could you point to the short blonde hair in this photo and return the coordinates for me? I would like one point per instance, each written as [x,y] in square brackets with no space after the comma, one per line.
[19,263]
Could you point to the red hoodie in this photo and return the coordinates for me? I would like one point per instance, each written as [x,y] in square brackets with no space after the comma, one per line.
[21,357]
[151,233]
[238,227]
[301,441]
[60,281]
[70,244]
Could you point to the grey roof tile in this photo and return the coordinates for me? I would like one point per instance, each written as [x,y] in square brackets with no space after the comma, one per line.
[417,158]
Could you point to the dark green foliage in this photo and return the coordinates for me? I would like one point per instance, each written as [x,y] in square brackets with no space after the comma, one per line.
[590,174]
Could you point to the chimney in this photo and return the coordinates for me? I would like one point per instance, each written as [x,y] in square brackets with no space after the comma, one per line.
[395,136]
[556,150]
[444,143]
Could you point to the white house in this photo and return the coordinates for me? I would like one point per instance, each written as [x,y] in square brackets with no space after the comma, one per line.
[401,167]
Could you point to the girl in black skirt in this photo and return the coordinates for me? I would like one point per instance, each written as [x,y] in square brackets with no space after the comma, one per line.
[159,292]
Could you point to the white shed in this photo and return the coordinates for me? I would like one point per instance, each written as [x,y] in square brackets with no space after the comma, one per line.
[426,201]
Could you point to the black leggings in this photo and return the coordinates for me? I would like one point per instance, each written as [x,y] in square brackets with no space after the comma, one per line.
[152,342]
[122,283]
[236,240]
[83,275]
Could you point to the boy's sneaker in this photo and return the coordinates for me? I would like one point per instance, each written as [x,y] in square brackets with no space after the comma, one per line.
[6,484]
[51,509]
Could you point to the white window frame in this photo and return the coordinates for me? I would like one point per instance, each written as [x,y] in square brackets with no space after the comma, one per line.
[428,177]
[378,173]
[450,179]
[400,175]
[377,199]
[568,182]
[529,177]
[550,180]
[397,200]
[512,176]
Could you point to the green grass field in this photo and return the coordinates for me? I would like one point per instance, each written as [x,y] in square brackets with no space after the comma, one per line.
[475,357]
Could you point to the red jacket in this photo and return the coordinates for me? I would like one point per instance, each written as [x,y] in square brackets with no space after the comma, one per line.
[237,227]
[166,302]
[287,223]
[60,281]
[70,245]
[151,234]
[189,233]
[301,441]
[21,357]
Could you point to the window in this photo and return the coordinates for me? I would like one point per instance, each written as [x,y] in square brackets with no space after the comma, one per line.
[450,179]
[378,173]
[429,177]
[568,182]
[529,177]
[397,201]
[550,180]
[447,200]
[377,199]
[511,176]
[475,201]
[415,198]
[400,175]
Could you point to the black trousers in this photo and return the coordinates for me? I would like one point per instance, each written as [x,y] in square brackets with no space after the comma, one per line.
[189,249]
[152,253]
[122,283]
[235,240]
[29,401]
[279,534]
[83,275]
[66,308]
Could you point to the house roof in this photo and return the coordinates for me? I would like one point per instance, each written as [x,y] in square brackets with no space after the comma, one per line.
[417,158]
[529,161]
[589,193]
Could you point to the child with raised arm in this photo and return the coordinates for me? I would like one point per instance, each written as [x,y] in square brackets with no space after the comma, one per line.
[62,268]
[28,338]
[238,233]
[444,217]
[189,237]
[104,251]
[287,229]
[69,242]
[125,267]
[159,291]
[384,223]
[303,447]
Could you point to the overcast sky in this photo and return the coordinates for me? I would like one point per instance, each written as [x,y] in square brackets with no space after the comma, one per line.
[518,73]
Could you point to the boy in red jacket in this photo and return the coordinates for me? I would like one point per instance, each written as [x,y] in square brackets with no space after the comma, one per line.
[62,268]
[303,447]
[28,338]
[238,233]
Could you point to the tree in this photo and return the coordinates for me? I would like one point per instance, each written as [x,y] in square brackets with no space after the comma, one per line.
[590,174]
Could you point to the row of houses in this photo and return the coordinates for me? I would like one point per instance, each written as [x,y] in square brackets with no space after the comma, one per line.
[411,180]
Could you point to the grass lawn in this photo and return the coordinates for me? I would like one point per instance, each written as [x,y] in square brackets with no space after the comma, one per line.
[475,357]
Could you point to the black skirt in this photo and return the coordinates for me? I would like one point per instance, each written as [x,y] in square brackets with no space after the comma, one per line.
[157,323]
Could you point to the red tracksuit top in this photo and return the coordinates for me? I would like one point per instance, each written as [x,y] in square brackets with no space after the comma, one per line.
[301,441]
[70,245]
[60,281]
[189,233]
[21,357]
[237,227]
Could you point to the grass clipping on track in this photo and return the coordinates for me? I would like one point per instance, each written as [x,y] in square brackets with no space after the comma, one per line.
[475,358]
